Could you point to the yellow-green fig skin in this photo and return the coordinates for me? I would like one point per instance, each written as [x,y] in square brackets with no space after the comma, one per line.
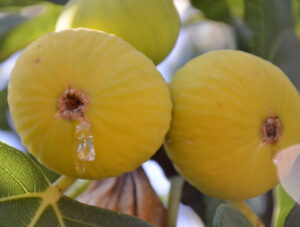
[220,101]
[129,105]
[151,26]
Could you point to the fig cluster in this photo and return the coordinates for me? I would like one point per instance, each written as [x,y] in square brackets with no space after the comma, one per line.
[88,101]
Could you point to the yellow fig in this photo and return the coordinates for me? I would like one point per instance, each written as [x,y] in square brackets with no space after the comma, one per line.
[151,26]
[87,104]
[232,113]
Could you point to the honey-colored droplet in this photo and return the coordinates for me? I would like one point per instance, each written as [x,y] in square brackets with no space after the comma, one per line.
[84,146]
[80,166]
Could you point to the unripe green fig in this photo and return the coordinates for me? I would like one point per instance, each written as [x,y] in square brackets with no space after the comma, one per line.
[151,26]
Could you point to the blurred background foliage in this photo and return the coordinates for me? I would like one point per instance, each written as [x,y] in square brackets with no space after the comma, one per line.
[267,28]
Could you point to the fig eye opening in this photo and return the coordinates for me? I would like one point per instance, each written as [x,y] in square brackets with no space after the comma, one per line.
[271,130]
[72,104]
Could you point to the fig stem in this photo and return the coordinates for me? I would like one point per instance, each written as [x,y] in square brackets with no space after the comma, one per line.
[174,200]
[281,212]
[276,210]
[63,183]
[77,188]
[247,212]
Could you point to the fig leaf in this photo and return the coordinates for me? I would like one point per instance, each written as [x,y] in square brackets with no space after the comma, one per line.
[27,198]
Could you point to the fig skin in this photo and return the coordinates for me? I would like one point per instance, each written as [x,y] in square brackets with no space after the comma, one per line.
[151,26]
[220,102]
[128,110]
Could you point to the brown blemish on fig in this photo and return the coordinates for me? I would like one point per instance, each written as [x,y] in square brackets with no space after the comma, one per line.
[37,60]
[271,129]
[72,105]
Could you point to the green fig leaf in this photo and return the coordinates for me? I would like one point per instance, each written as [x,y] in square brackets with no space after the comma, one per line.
[9,21]
[211,206]
[51,175]
[226,215]
[293,218]
[287,56]
[27,198]
[267,19]
[22,34]
[273,35]
[216,10]
[284,205]
[296,14]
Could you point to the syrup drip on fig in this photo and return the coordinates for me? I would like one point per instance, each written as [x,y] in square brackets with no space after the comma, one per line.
[72,105]
[84,146]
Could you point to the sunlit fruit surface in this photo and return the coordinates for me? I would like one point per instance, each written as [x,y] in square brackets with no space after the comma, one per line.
[87,104]
[232,113]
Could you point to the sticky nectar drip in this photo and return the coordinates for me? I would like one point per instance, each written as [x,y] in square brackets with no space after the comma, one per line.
[72,106]
[83,146]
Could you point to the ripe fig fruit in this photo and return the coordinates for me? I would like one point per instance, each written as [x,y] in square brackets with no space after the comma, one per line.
[232,113]
[87,104]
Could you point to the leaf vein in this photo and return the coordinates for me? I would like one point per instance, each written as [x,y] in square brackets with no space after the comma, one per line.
[81,222]
[58,215]
[21,196]
[15,178]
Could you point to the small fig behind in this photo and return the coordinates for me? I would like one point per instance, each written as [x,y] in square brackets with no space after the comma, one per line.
[151,26]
